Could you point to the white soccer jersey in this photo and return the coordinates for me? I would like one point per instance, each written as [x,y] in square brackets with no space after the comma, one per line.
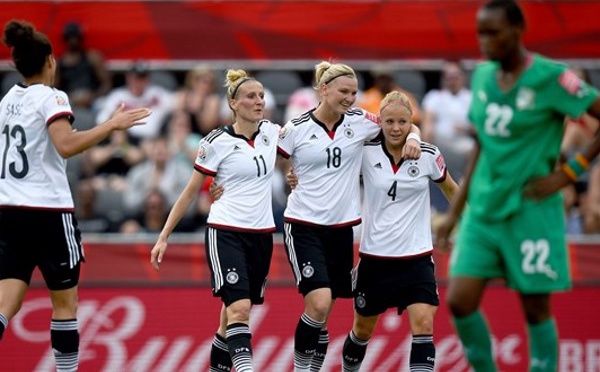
[32,173]
[327,165]
[396,205]
[245,170]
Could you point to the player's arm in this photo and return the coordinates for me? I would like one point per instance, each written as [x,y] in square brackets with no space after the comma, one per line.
[457,204]
[71,142]
[175,215]
[412,147]
[449,187]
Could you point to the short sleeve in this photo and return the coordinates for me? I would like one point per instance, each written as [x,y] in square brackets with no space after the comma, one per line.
[207,159]
[56,105]
[438,167]
[572,95]
[285,144]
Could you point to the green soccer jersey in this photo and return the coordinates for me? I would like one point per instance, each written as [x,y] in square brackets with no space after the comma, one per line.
[519,130]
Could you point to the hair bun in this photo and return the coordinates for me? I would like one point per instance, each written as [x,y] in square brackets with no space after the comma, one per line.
[18,33]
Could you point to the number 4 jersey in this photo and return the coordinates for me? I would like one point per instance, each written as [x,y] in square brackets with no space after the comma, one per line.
[396,202]
[32,174]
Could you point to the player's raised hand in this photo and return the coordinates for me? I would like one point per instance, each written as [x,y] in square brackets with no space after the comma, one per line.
[124,119]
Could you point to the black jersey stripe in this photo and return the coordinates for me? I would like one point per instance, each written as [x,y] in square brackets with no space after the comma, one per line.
[428,151]
[301,119]
[213,134]
[354,111]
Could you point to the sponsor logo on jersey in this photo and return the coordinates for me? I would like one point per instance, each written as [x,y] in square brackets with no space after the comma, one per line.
[202,151]
[440,162]
[236,148]
[232,277]
[313,137]
[60,101]
[525,98]
[284,131]
[308,271]
[378,166]
[571,82]
[374,118]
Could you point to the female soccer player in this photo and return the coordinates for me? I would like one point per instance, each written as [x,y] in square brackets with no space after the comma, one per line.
[396,267]
[325,145]
[37,225]
[239,240]
[514,227]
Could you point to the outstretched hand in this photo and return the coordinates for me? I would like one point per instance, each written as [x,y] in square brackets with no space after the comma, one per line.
[124,119]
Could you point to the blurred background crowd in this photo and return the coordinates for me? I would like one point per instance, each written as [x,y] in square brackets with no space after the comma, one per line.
[128,183]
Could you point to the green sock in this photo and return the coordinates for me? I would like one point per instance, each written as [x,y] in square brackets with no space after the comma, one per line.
[477,343]
[543,346]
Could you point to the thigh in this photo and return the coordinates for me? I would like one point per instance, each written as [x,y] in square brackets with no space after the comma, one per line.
[338,246]
[367,288]
[535,249]
[259,250]
[415,280]
[17,255]
[477,251]
[306,255]
[60,250]
[227,262]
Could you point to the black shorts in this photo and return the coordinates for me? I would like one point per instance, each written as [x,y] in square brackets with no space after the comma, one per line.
[239,263]
[321,257]
[49,240]
[380,284]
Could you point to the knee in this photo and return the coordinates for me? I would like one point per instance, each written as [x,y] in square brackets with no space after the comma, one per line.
[362,330]
[422,324]
[238,311]
[318,307]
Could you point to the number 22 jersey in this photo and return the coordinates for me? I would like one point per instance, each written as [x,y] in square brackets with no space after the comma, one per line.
[32,173]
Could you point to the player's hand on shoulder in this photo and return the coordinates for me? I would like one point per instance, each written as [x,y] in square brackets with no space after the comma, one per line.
[157,253]
[411,149]
[124,119]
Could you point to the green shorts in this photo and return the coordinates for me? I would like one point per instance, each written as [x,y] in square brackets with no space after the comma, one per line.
[528,249]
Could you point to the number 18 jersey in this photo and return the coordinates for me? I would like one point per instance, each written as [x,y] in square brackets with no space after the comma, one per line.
[32,172]
[327,164]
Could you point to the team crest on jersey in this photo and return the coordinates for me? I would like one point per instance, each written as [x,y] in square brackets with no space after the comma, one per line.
[308,270]
[525,98]
[232,277]
[202,151]
[360,301]
[482,96]
[284,131]
[413,171]
[265,140]
[348,132]
[60,101]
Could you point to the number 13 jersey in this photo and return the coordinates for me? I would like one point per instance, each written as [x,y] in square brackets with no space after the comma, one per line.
[32,172]
[327,164]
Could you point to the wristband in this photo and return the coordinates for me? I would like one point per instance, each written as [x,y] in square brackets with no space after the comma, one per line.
[413,136]
[575,167]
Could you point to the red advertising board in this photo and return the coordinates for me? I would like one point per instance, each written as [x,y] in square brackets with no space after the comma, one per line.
[170,329]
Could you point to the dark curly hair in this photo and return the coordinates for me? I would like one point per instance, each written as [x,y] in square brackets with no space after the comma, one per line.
[30,48]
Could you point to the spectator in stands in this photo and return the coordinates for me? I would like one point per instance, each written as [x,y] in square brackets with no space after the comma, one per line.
[139,92]
[383,83]
[445,121]
[152,218]
[161,171]
[81,72]
[239,239]
[200,100]
[183,143]
[88,218]
[301,101]
[513,227]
